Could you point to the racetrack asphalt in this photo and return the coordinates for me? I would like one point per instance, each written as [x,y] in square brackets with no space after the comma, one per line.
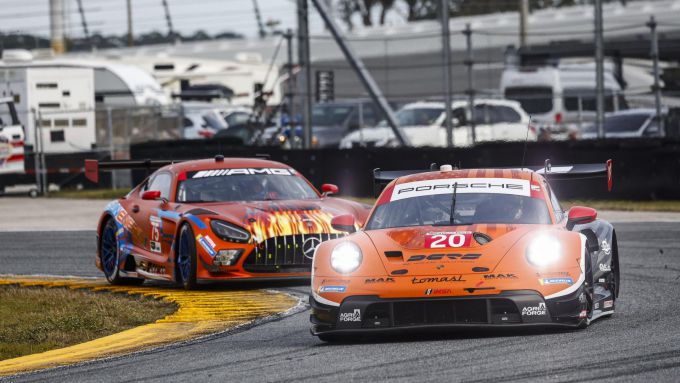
[641,342]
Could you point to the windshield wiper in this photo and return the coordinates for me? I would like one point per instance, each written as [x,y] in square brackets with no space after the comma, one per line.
[452,217]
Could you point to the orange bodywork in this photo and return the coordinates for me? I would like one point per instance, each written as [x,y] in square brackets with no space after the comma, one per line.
[148,229]
[400,263]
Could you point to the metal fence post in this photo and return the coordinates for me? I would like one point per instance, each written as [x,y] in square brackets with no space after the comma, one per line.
[109,133]
[36,158]
[654,53]
[446,53]
[599,69]
[470,91]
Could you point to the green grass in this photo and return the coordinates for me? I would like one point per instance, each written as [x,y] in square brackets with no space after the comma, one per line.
[34,320]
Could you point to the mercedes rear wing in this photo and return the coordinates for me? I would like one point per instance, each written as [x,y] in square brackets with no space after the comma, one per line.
[552,172]
[93,167]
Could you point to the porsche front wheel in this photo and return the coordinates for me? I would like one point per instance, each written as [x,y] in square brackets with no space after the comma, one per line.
[186,258]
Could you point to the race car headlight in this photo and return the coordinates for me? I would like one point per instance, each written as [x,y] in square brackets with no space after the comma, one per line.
[543,251]
[229,232]
[346,257]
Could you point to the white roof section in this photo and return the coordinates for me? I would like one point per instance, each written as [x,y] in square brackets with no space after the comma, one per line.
[492,31]
[145,89]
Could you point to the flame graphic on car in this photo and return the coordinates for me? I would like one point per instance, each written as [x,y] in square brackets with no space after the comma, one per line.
[277,223]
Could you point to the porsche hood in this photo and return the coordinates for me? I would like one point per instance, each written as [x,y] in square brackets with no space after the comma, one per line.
[433,250]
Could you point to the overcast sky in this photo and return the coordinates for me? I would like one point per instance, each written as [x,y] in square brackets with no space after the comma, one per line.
[109,16]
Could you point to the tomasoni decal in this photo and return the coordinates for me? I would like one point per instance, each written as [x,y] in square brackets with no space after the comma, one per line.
[534,310]
[354,316]
[452,278]
[464,185]
[244,171]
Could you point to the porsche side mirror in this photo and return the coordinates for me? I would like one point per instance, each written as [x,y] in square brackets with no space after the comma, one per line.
[343,223]
[151,195]
[328,189]
[579,215]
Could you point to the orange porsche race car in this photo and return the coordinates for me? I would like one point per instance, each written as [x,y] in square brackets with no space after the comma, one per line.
[467,248]
[216,219]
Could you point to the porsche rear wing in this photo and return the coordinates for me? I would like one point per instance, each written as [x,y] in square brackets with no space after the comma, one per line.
[93,167]
[552,172]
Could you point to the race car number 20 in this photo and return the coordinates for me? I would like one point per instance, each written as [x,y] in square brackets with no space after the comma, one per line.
[443,240]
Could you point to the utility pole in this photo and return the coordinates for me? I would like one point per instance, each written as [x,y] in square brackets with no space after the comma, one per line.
[168,19]
[57,26]
[83,22]
[599,69]
[305,63]
[523,17]
[654,53]
[469,62]
[258,18]
[446,53]
[291,81]
[130,36]
[362,73]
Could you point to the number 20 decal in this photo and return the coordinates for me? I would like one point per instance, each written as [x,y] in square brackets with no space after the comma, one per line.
[440,241]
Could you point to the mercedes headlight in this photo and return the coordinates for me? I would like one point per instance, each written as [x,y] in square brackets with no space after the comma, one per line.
[346,257]
[229,232]
[543,251]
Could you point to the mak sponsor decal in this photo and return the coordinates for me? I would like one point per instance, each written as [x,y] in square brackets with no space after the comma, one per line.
[379,280]
[354,316]
[535,310]
[332,289]
[462,186]
[556,281]
[451,278]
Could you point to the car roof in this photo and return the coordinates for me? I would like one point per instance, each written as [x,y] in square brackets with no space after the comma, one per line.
[228,163]
[470,173]
[460,103]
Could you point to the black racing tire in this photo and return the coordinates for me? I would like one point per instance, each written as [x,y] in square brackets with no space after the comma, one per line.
[109,253]
[109,256]
[615,282]
[186,259]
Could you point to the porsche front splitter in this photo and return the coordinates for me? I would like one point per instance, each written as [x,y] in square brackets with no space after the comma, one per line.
[517,309]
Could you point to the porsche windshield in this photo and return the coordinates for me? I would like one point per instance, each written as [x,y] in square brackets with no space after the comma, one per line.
[221,187]
[470,208]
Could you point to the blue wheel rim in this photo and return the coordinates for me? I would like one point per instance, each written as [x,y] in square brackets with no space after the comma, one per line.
[109,251]
[184,256]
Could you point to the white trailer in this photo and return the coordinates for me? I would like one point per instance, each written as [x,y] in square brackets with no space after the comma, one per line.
[58,100]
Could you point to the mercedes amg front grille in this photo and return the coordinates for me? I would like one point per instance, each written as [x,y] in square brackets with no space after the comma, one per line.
[286,253]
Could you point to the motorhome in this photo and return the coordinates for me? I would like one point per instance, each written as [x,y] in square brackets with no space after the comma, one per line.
[55,104]
[563,96]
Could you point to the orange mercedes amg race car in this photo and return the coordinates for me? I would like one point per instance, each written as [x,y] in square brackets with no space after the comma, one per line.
[216,219]
[467,248]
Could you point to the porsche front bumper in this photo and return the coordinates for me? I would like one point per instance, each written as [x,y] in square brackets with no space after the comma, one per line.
[517,308]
